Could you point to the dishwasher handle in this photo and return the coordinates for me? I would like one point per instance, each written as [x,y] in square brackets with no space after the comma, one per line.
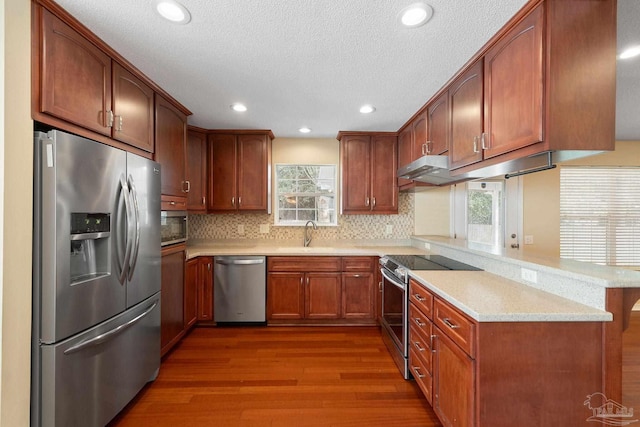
[224,261]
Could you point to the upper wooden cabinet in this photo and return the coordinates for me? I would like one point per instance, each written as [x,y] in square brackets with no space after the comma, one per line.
[405,146]
[546,82]
[197,170]
[133,109]
[465,99]
[75,77]
[81,85]
[438,126]
[171,151]
[240,171]
[369,166]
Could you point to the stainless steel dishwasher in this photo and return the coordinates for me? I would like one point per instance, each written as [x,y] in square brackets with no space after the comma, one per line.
[239,289]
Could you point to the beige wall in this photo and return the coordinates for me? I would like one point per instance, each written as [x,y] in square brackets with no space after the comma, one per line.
[18,178]
[432,209]
[541,210]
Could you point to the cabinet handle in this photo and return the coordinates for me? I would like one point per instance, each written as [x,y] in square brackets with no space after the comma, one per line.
[427,148]
[366,201]
[301,280]
[356,275]
[418,322]
[484,141]
[233,202]
[119,127]
[239,201]
[203,201]
[419,297]
[373,204]
[109,118]
[379,286]
[431,339]
[307,281]
[418,346]
[188,185]
[209,266]
[172,203]
[449,324]
[416,369]
[475,144]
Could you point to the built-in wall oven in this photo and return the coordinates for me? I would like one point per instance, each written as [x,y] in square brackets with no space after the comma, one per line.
[395,299]
[173,227]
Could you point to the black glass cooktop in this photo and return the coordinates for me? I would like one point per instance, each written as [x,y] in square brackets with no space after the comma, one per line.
[428,262]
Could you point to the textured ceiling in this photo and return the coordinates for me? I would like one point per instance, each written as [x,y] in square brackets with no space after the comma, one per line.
[307,63]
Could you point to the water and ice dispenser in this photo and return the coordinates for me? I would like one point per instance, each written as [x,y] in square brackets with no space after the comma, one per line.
[90,254]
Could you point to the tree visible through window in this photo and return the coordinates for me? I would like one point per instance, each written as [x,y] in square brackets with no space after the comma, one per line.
[600,215]
[306,192]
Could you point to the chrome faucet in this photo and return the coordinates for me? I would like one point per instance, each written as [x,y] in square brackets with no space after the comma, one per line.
[307,235]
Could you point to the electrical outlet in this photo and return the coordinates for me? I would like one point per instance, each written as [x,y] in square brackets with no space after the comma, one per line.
[388,230]
[241,229]
[528,240]
[529,275]
[264,228]
[427,246]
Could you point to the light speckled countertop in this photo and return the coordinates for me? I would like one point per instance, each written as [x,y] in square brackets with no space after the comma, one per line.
[486,297]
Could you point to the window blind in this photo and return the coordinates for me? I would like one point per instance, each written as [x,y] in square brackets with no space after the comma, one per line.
[600,215]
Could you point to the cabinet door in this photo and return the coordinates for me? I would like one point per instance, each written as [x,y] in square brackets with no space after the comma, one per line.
[513,84]
[133,108]
[453,383]
[222,173]
[197,171]
[420,127]
[76,77]
[191,293]
[356,174]
[405,144]
[322,295]
[285,296]
[172,297]
[465,97]
[438,126]
[358,295]
[384,185]
[253,177]
[171,150]
[205,289]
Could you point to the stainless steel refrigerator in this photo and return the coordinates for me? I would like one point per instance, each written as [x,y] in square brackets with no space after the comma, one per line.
[96,280]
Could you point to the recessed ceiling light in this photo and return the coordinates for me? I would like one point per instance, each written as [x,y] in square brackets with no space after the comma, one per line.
[415,15]
[630,52]
[366,109]
[172,11]
[241,108]
[304,130]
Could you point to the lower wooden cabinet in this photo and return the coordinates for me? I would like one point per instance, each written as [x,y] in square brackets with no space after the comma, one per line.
[172,312]
[191,293]
[321,289]
[205,288]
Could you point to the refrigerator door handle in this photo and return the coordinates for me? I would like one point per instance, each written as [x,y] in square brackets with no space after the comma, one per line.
[129,241]
[109,334]
[136,229]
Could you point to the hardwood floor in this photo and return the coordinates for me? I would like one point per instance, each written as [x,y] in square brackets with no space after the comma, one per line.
[280,376]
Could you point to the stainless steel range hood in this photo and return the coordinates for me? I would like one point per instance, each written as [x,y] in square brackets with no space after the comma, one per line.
[432,170]
[435,169]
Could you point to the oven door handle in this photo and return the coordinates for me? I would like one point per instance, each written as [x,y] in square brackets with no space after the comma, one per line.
[392,280]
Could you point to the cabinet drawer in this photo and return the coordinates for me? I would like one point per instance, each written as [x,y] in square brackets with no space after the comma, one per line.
[455,325]
[419,321]
[422,298]
[422,346]
[421,374]
[173,203]
[304,264]
[358,263]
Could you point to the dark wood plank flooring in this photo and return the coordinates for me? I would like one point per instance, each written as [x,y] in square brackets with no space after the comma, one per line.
[280,376]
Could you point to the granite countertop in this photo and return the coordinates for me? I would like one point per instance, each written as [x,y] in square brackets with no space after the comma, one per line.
[487,297]
[295,248]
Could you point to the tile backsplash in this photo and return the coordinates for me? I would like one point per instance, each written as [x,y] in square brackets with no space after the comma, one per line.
[350,227]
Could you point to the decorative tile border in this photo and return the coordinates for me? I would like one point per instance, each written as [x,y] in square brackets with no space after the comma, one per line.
[350,227]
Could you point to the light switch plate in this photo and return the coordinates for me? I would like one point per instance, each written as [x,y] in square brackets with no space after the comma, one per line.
[427,246]
[388,230]
[528,240]
[529,275]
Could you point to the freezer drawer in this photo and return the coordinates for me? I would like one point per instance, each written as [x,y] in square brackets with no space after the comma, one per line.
[87,379]
[239,288]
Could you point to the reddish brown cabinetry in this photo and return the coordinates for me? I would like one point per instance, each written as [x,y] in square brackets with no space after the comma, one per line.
[171,148]
[321,289]
[197,170]
[172,312]
[438,126]
[405,145]
[419,126]
[191,279]
[239,171]
[205,289]
[369,167]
